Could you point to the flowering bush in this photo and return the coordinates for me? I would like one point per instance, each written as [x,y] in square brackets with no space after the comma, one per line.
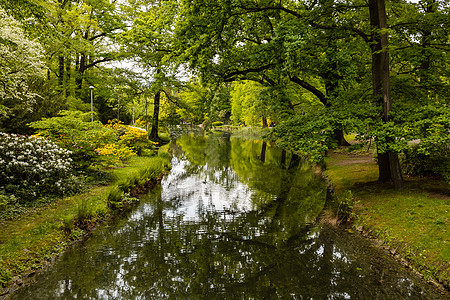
[73,130]
[133,137]
[112,155]
[91,142]
[33,166]
[136,139]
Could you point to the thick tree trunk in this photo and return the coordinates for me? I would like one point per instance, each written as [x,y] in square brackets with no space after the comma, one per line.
[388,163]
[339,137]
[155,121]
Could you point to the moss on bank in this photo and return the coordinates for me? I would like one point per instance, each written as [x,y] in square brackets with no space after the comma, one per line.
[414,223]
[34,239]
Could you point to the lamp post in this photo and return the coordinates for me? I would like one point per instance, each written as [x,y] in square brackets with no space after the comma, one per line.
[118,108]
[92,103]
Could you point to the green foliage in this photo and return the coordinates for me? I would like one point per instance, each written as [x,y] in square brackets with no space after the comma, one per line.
[248,105]
[311,136]
[119,197]
[136,139]
[434,162]
[119,201]
[194,99]
[10,207]
[5,277]
[84,211]
[73,130]
[343,204]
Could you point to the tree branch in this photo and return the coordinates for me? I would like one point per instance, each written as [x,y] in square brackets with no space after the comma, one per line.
[312,89]
[105,59]
[229,77]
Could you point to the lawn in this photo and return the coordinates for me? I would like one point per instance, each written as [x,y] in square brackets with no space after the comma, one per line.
[414,223]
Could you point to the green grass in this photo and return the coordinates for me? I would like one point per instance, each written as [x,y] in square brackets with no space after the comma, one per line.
[27,242]
[414,222]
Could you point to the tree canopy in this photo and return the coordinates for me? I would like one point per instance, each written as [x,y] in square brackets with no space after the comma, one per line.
[317,69]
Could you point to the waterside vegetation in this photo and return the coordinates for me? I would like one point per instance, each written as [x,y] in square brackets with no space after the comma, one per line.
[412,225]
[33,239]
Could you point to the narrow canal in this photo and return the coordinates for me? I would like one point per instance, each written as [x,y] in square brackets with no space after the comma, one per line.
[234,219]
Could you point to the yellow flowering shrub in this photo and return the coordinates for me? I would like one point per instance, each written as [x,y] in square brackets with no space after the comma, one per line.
[113,155]
[140,123]
[136,139]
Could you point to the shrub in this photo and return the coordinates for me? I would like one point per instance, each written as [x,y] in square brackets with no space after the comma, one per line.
[136,139]
[113,155]
[9,207]
[33,166]
[434,162]
[131,136]
[73,130]
[118,200]
[342,205]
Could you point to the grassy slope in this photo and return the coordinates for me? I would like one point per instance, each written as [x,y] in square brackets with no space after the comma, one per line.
[414,223]
[30,241]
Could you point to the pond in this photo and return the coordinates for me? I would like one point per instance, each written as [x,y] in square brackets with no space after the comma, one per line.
[234,219]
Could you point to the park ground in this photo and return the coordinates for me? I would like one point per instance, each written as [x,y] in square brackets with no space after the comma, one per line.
[412,224]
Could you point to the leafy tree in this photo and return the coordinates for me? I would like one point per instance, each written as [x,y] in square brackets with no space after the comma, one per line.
[314,45]
[21,67]
[249,105]
[150,41]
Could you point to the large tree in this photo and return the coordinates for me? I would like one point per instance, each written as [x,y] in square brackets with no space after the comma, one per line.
[308,42]
[150,42]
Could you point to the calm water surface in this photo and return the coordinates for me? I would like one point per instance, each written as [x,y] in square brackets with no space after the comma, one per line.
[234,219]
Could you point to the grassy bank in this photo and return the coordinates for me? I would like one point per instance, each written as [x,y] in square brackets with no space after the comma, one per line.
[414,223]
[29,242]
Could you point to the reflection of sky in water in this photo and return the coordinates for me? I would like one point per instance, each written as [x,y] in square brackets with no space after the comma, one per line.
[200,191]
[319,260]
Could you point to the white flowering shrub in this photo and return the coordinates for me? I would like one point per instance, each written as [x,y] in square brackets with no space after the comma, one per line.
[31,167]
[20,64]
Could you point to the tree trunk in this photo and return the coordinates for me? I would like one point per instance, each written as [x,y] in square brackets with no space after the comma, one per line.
[283,158]
[339,137]
[264,122]
[61,72]
[263,152]
[388,163]
[155,121]
[67,77]
[81,69]
[295,162]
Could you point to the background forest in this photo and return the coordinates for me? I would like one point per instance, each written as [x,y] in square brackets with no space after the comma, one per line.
[317,70]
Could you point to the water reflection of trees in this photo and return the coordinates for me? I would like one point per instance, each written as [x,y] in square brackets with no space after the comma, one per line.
[270,251]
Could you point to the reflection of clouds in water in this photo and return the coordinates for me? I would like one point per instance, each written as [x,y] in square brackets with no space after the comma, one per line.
[209,233]
[202,193]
